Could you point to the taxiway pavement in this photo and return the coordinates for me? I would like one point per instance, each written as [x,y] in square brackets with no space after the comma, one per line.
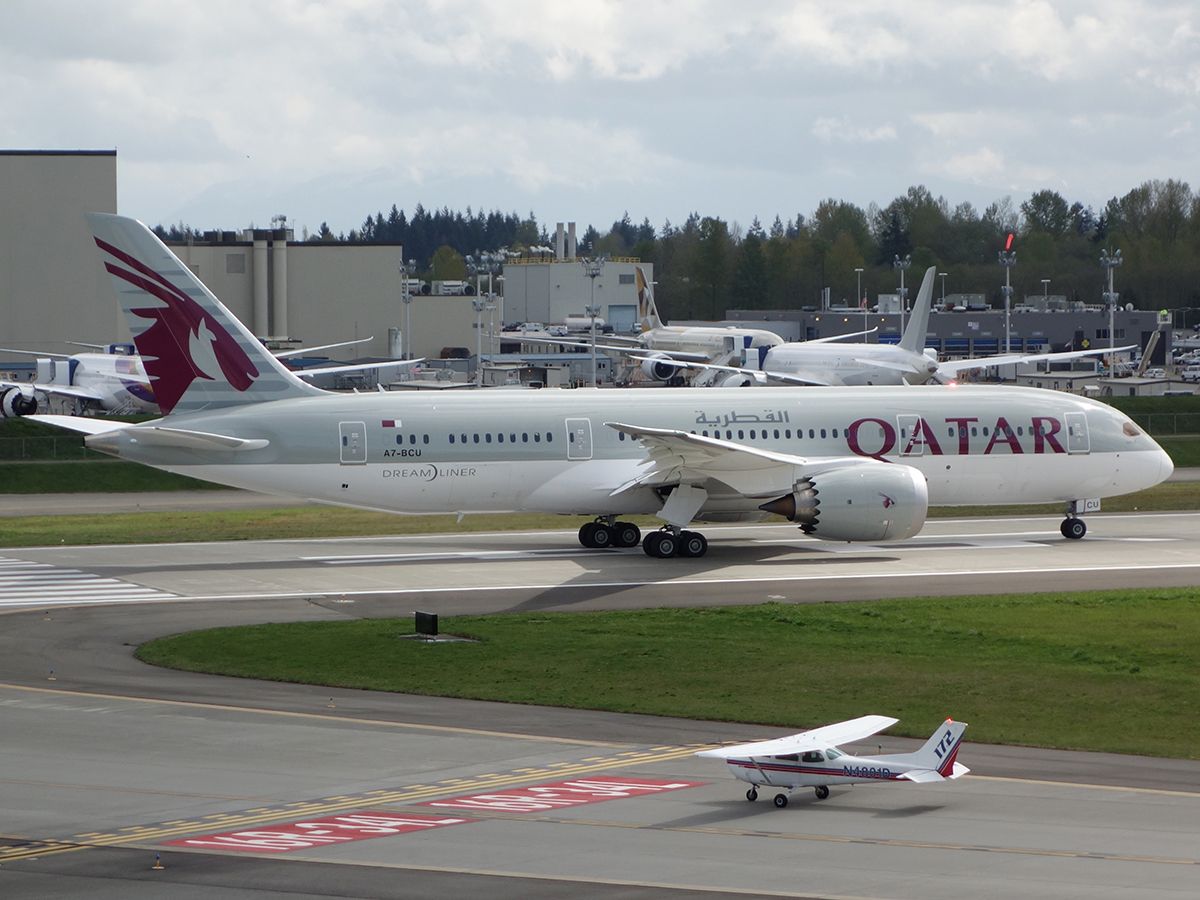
[112,761]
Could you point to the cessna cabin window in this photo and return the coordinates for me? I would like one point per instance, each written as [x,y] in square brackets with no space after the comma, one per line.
[788,756]
[833,754]
[812,756]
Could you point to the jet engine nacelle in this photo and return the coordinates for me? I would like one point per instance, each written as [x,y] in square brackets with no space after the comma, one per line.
[863,502]
[15,402]
[737,379]
[660,368]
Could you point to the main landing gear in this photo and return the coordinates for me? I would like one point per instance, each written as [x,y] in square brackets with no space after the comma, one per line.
[672,542]
[607,532]
[781,800]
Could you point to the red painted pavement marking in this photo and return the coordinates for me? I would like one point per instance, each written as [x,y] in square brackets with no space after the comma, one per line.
[311,833]
[561,794]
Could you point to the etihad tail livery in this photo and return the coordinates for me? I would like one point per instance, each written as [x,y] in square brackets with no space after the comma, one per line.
[846,464]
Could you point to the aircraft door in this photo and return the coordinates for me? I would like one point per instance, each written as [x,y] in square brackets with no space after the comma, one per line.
[1078,439]
[910,441]
[353,442]
[579,438]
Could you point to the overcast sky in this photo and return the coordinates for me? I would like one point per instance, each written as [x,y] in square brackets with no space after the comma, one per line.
[226,113]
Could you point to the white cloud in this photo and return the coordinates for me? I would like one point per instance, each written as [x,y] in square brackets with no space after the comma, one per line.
[676,106]
[839,129]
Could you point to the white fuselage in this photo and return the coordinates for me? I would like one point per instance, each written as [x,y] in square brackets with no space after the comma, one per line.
[844,363]
[551,451]
[820,767]
[706,339]
[120,380]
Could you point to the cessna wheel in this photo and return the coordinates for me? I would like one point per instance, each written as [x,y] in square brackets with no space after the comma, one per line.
[1073,529]
[752,795]
[821,791]
[780,801]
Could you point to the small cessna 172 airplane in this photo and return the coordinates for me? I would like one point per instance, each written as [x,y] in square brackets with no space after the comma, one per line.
[814,759]
[844,463]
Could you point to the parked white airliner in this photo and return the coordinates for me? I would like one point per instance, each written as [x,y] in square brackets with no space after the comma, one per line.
[115,381]
[831,361]
[846,464]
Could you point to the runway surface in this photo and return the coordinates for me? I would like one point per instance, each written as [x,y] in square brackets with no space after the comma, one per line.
[112,761]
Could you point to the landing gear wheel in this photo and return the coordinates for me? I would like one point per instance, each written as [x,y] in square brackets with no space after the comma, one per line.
[585,533]
[660,544]
[1073,529]
[692,544]
[752,794]
[821,791]
[781,801]
[626,534]
[602,535]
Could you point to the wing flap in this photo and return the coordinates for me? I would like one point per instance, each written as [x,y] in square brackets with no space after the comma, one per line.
[922,776]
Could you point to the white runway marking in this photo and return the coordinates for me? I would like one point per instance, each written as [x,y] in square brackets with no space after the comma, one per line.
[434,557]
[25,583]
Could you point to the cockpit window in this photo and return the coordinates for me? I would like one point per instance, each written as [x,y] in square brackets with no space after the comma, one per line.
[789,756]
[812,756]
[832,754]
[1131,430]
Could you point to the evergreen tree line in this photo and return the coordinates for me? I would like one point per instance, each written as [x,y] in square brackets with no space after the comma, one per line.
[707,265]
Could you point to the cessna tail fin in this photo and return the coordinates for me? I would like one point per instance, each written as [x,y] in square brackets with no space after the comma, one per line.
[196,352]
[913,338]
[647,312]
[940,752]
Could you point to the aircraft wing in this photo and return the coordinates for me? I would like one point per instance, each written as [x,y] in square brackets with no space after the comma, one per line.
[631,349]
[952,368]
[818,739]
[680,457]
[759,375]
[64,390]
[356,367]
[841,337]
[284,354]
[36,353]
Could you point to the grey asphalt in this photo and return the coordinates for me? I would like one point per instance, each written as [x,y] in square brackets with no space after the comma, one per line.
[112,744]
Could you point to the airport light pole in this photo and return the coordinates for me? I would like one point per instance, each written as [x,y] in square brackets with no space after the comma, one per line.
[861,299]
[1046,290]
[1008,259]
[481,306]
[406,269]
[592,268]
[1110,262]
[943,275]
[902,265]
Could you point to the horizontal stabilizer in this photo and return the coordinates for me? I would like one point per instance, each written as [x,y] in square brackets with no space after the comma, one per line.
[922,776]
[85,424]
[158,436]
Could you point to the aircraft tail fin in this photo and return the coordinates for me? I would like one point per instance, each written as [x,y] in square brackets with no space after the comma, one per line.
[647,312]
[940,752]
[913,338]
[196,352]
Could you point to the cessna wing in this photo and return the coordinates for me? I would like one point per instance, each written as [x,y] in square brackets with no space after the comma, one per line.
[951,369]
[818,739]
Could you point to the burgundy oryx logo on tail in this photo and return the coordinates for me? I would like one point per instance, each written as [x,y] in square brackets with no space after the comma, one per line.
[183,342]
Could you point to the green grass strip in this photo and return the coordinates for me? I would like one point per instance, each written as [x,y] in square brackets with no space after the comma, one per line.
[1108,671]
[329,521]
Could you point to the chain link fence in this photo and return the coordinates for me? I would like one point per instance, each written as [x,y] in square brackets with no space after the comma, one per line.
[66,447]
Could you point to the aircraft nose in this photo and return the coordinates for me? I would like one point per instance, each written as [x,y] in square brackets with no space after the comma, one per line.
[1166,466]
